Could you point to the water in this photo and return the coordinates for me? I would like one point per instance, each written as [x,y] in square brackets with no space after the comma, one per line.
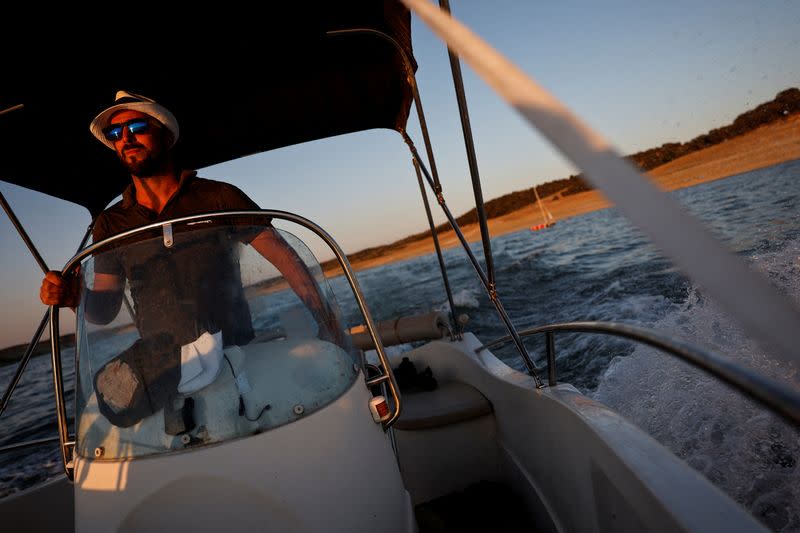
[592,267]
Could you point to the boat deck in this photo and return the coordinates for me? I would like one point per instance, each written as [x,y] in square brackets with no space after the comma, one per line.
[485,506]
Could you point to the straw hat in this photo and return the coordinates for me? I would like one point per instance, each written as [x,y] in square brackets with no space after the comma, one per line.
[134,102]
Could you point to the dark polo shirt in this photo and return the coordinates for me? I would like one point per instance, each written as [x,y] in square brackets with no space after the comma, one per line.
[194,195]
[193,286]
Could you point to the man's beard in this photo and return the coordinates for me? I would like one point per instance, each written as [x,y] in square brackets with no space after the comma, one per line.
[150,165]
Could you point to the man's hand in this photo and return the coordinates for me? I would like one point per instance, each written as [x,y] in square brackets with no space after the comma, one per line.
[60,291]
[272,246]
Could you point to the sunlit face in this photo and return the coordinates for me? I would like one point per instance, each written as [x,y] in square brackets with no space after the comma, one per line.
[142,153]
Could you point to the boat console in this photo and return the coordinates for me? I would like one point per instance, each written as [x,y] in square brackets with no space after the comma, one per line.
[177,406]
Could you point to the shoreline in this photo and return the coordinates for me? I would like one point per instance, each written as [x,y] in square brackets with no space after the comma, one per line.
[766,146]
[769,145]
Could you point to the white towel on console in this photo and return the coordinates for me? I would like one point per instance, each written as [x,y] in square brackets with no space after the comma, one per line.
[200,362]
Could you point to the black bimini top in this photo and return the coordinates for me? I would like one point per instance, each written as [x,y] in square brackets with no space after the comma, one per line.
[277,80]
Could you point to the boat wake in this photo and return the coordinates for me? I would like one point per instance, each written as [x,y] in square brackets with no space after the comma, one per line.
[463,299]
[746,451]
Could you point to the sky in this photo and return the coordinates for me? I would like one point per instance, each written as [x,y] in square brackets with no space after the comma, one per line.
[640,73]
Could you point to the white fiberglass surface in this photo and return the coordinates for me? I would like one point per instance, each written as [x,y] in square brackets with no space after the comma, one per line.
[228,331]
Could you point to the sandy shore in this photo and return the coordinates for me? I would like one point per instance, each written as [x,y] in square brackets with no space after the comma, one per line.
[766,146]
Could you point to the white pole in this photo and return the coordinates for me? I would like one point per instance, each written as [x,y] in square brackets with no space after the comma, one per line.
[762,311]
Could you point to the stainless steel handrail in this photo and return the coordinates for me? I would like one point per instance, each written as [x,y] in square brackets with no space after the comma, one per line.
[23,362]
[774,395]
[495,299]
[58,388]
[435,237]
[73,263]
[26,357]
[392,438]
[22,233]
[472,160]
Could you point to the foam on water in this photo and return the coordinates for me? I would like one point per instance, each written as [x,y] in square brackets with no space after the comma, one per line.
[748,452]
[463,299]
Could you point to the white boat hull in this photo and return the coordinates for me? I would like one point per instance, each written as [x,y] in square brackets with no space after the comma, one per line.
[576,464]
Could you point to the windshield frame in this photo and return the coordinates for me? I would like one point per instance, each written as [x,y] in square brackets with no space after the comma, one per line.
[68,443]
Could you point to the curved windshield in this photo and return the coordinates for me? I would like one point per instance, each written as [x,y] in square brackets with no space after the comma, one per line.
[206,331]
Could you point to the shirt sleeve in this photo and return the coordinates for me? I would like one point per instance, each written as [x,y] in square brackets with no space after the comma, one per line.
[106,262]
[232,198]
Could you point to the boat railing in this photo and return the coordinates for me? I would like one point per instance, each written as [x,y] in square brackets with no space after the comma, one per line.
[774,395]
[385,379]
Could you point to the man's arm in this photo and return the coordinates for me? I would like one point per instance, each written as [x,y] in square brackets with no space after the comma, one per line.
[104,301]
[102,304]
[270,244]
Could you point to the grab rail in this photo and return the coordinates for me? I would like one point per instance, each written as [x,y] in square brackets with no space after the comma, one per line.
[387,378]
[770,393]
[26,357]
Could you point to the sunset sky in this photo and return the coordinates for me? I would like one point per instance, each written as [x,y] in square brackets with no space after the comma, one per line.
[641,73]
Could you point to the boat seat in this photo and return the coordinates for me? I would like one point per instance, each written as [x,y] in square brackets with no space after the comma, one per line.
[449,403]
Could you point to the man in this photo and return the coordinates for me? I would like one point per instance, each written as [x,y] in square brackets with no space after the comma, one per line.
[181,295]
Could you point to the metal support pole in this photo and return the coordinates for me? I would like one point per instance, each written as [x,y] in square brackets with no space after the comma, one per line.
[12,109]
[23,362]
[474,262]
[26,357]
[551,358]
[450,218]
[423,126]
[390,431]
[435,237]
[458,84]
[764,312]
[433,180]
[22,233]
[58,387]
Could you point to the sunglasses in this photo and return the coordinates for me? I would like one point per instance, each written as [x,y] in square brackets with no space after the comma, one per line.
[136,126]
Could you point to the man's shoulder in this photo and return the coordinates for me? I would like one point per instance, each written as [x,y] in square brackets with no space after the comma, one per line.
[110,221]
[227,194]
[113,211]
[206,183]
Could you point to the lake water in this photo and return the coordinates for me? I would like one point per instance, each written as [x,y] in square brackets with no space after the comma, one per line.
[592,267]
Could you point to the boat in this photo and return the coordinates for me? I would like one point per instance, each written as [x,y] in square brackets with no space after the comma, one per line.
[295,431]
[547,216]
